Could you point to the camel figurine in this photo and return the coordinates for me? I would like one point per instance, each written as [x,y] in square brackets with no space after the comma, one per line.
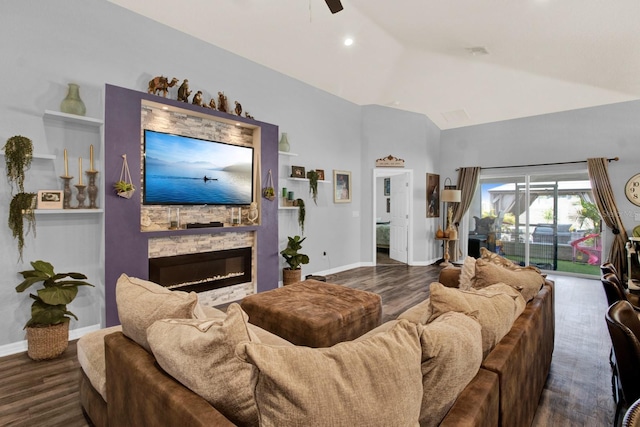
[183,91]
[238,109]
[161,84]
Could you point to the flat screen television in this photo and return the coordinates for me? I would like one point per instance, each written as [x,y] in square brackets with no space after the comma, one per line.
[180,170]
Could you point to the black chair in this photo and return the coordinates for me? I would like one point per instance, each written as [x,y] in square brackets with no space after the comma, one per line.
[615,291]
[624,328]
[608,267]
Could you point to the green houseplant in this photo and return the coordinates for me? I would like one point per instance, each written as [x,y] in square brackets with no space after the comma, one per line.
[48,327]
[21,209]
[294,259]
[302,212]
[313,185]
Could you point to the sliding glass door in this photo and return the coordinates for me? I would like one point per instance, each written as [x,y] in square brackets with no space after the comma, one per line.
[548,220]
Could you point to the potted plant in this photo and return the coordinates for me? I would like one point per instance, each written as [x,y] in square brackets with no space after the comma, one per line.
[18,153]
[302,212]
[313,177]
[124,189]
[293,273]
[48,327]
[21,209]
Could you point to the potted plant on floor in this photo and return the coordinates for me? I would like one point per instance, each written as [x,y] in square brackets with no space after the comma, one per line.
[48,327]
[293,273]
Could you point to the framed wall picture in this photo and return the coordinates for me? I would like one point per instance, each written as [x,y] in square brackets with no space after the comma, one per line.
[298,172]
[320,174]
[341,186]
[387,186]
[50,199]
[433,195]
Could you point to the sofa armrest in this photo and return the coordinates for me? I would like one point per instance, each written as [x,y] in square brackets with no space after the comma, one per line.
[140,393]
[477,405]
[450,276]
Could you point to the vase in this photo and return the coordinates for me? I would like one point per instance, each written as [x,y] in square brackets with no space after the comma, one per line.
[283,145]
[72,104]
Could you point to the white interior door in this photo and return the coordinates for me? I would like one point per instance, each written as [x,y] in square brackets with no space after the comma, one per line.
[399,227]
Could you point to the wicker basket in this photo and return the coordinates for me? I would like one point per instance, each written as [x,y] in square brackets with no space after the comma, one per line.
[289,277]
[47,342]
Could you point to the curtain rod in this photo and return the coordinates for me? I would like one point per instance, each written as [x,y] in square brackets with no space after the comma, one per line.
[543,164]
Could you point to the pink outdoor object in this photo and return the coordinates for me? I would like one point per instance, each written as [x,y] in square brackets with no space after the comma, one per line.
[592,252]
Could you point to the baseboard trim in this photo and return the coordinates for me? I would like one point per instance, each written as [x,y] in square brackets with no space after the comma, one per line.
[21,346]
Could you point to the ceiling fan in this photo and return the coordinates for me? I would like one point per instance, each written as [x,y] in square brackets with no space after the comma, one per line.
[335,6]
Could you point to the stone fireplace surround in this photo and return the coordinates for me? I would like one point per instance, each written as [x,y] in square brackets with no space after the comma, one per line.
[128,248]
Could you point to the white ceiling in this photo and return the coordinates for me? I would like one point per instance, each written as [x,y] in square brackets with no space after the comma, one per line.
[544,55]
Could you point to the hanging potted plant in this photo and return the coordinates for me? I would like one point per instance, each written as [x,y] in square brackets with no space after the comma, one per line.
[124,186]
[18,153]
[313,177]
[21,209]
[293,273]
[48,327]
[302,212]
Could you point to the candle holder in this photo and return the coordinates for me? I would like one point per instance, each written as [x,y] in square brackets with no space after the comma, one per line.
[92,189]
[80,197]
[66,201]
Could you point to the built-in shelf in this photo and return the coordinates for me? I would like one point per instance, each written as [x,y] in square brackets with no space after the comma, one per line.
[307,180]
[67,211]
[284,208]
[286,153]
[37,155]
[72,118]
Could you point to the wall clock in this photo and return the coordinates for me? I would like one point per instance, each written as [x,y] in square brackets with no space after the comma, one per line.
[632,189]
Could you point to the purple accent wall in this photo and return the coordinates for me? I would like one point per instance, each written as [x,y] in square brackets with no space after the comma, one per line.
[126,247]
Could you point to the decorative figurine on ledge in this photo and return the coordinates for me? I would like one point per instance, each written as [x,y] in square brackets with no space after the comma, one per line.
[222,102]
[212,104]
[197,98]
[183,91]
[238,109]
[161,84]
[247,115]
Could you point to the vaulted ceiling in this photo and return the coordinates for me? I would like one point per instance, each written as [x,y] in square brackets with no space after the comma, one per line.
[459,62]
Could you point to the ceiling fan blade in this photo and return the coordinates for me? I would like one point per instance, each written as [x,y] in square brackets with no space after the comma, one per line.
[335,6]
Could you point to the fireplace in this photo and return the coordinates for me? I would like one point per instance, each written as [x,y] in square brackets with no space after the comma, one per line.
[202,271]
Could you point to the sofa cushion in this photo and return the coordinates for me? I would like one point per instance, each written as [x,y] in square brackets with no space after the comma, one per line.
[90,349]
[527,281]
[140,303]
[467,272]
[375,381]
[451,357]
[200,354]
[495,307]
[419,313]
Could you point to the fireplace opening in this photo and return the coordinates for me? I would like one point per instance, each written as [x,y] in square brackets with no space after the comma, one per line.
[203,271]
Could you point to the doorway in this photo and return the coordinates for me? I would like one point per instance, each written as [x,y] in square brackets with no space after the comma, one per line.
[392,227]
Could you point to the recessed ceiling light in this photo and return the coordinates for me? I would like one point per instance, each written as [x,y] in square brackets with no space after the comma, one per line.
[348,41]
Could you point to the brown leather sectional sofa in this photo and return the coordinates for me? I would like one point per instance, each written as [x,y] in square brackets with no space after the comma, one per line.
[505,392]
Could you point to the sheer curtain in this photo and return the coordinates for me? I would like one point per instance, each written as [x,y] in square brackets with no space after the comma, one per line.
[603,195]
[467,183]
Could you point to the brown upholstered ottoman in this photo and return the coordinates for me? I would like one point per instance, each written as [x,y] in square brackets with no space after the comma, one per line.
[314,313]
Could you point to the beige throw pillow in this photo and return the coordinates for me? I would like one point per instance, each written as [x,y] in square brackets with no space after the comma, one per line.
[200,354]
[140,303]
[467,272]
[376,381]
[527,281]
[495,307]
[451,354]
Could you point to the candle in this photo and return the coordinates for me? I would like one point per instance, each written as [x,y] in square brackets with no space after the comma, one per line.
[80,170]
[91,157]
[66,163]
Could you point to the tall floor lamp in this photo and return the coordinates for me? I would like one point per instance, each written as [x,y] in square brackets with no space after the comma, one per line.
[449,195]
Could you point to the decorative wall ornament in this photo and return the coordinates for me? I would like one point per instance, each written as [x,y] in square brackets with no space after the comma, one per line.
[390,162]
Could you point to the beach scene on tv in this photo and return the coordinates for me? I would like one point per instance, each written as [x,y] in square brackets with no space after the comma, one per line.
[180,170]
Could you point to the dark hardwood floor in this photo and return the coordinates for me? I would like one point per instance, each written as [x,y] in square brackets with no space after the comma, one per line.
[577,393]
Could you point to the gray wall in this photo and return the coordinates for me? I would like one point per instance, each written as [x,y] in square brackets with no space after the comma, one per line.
[91,42]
